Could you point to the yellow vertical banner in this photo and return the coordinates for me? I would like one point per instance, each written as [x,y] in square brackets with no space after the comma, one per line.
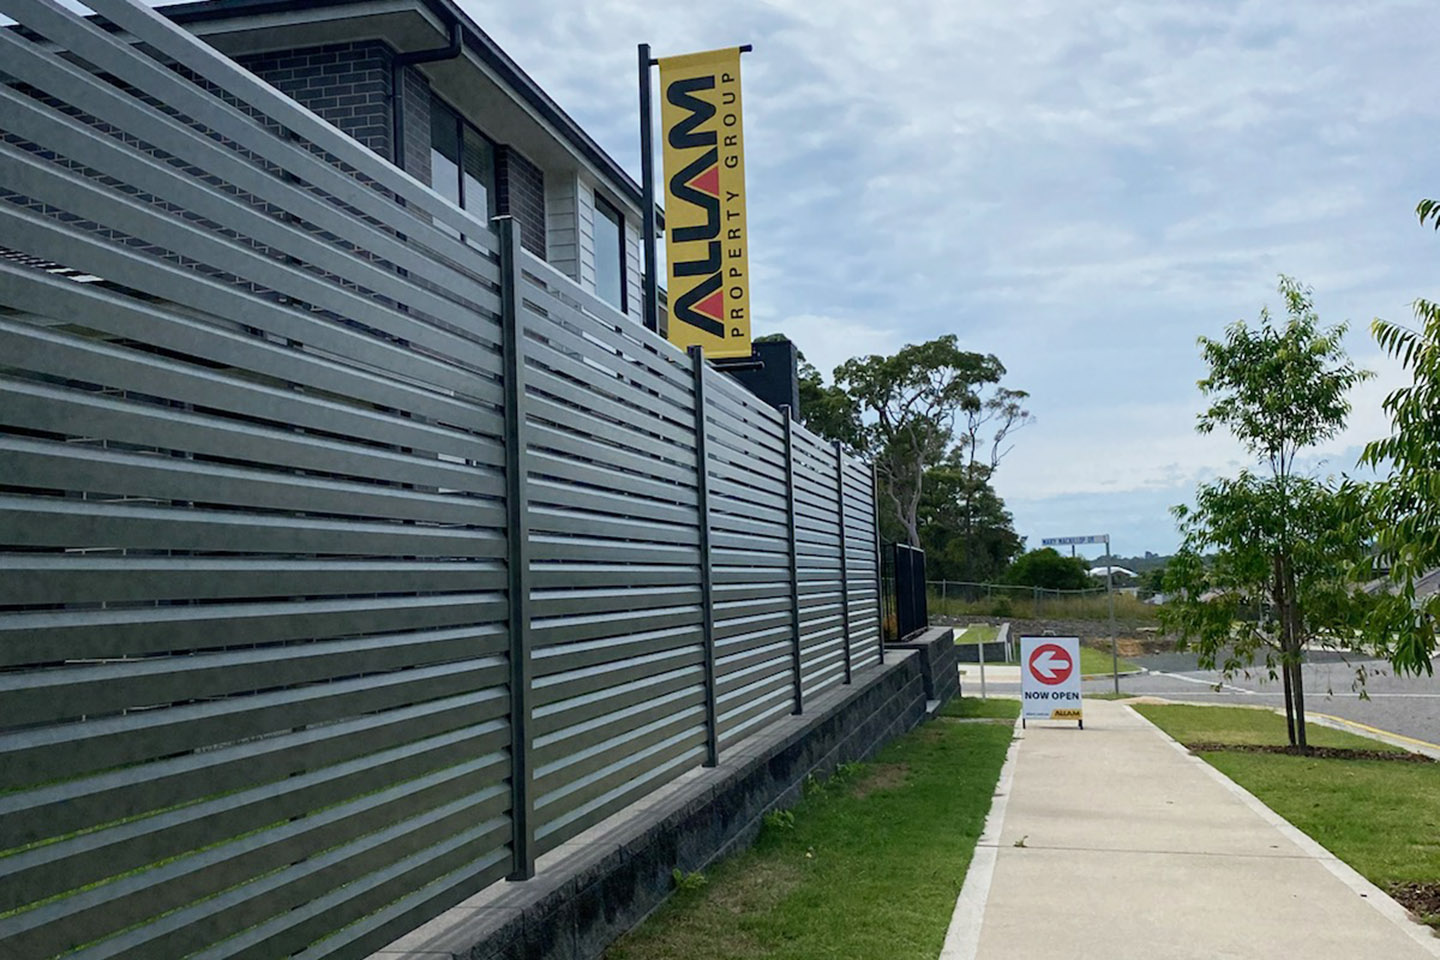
[706,242]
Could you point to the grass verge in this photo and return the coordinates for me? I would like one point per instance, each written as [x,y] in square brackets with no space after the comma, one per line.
[1379,816]
[979,633]
[1098,661]
[867,865]
[970,707]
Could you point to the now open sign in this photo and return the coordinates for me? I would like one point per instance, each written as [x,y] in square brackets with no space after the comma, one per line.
[1050,679]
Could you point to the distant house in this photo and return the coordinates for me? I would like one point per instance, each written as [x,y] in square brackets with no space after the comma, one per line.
[1115,571]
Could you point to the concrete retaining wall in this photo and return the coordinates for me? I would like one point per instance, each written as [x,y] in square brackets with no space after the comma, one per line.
[599,885]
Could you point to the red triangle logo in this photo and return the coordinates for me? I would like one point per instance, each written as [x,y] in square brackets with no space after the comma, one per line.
[713,305]
[709,181]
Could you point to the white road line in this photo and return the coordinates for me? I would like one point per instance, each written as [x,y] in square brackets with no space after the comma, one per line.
[962,939]
[1208,683]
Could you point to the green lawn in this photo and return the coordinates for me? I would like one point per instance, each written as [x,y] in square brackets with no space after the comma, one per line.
[1095,661]
[1381,817]
[978,633]
[867,865]
[975,707]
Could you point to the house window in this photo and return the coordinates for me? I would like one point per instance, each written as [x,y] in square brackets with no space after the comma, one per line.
[610,255]
[462,163]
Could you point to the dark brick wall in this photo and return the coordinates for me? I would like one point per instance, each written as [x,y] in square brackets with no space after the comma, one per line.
[939,662]
[346,83]
[521,193]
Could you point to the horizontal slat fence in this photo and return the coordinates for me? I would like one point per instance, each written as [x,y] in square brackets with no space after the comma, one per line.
[350,556]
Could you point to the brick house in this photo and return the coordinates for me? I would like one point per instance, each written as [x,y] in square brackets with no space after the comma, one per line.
[420,75]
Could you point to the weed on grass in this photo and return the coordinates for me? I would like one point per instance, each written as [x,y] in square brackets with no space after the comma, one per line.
[868,865]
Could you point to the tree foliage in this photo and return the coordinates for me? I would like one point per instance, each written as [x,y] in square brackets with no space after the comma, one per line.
[965,529]
[1229,570]
[1279,389]
[1047,568]
[914,397]
[1405,508]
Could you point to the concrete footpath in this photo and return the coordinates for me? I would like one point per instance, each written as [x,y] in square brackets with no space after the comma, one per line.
[1113,842]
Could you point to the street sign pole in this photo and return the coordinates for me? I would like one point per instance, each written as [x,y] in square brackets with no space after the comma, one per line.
[1109,588]
[1110,596]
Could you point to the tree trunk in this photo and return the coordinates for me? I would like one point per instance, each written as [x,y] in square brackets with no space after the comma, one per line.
[1282,612]
[1297,632]
[1289,697]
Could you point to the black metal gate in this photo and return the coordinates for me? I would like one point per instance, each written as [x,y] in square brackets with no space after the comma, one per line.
[903,577]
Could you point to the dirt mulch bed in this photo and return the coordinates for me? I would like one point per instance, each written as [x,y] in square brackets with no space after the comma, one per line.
[1421,899]
[1321,753]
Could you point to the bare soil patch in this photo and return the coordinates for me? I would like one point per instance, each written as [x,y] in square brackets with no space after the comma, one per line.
[883,776]
[1421,899]
[1320,753]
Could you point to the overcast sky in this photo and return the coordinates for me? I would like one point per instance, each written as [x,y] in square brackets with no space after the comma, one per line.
[1079,188]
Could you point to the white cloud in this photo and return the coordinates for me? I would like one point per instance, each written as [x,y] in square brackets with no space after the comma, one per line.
[1081,189]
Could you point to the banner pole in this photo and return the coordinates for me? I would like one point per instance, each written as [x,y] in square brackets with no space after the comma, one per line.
[647,192]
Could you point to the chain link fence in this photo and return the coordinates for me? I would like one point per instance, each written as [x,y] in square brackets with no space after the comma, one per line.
[959,599]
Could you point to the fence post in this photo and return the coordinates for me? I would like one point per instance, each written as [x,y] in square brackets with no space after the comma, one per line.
[844,560]
[707,580]
[522,735]
[795,652]
[879,567]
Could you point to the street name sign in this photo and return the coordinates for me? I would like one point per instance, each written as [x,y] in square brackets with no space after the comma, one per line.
[1050,679]
[1069,541]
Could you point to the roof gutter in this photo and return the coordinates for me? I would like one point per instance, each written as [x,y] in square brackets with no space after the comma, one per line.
[397,94]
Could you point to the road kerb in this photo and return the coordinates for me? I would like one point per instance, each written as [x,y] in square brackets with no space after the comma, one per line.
[1371,894]
[962,939]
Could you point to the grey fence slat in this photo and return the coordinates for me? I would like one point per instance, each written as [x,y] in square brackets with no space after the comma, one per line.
[603,575]
[21,172]
[563,718]
[584,523]
[619,339]
[56,694]
[43,522]
[478,561]
[660,457]
[554,380]
[75,749]
[116,56]
[75,87]
[72,138]
[149,322]
[616,503]
[76,358]
[79,804]
[50,465]
[45,636]
[55,868]
[38,407]
[33,578]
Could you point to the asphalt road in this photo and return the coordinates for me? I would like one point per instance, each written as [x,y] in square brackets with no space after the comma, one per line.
[1409,706]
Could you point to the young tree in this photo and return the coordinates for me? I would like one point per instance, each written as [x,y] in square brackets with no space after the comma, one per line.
[1405,508]
[915,396]
[1279,389]
[1230,598]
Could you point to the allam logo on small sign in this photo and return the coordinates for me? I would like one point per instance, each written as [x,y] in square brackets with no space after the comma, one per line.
[1050,678]
[708,275]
